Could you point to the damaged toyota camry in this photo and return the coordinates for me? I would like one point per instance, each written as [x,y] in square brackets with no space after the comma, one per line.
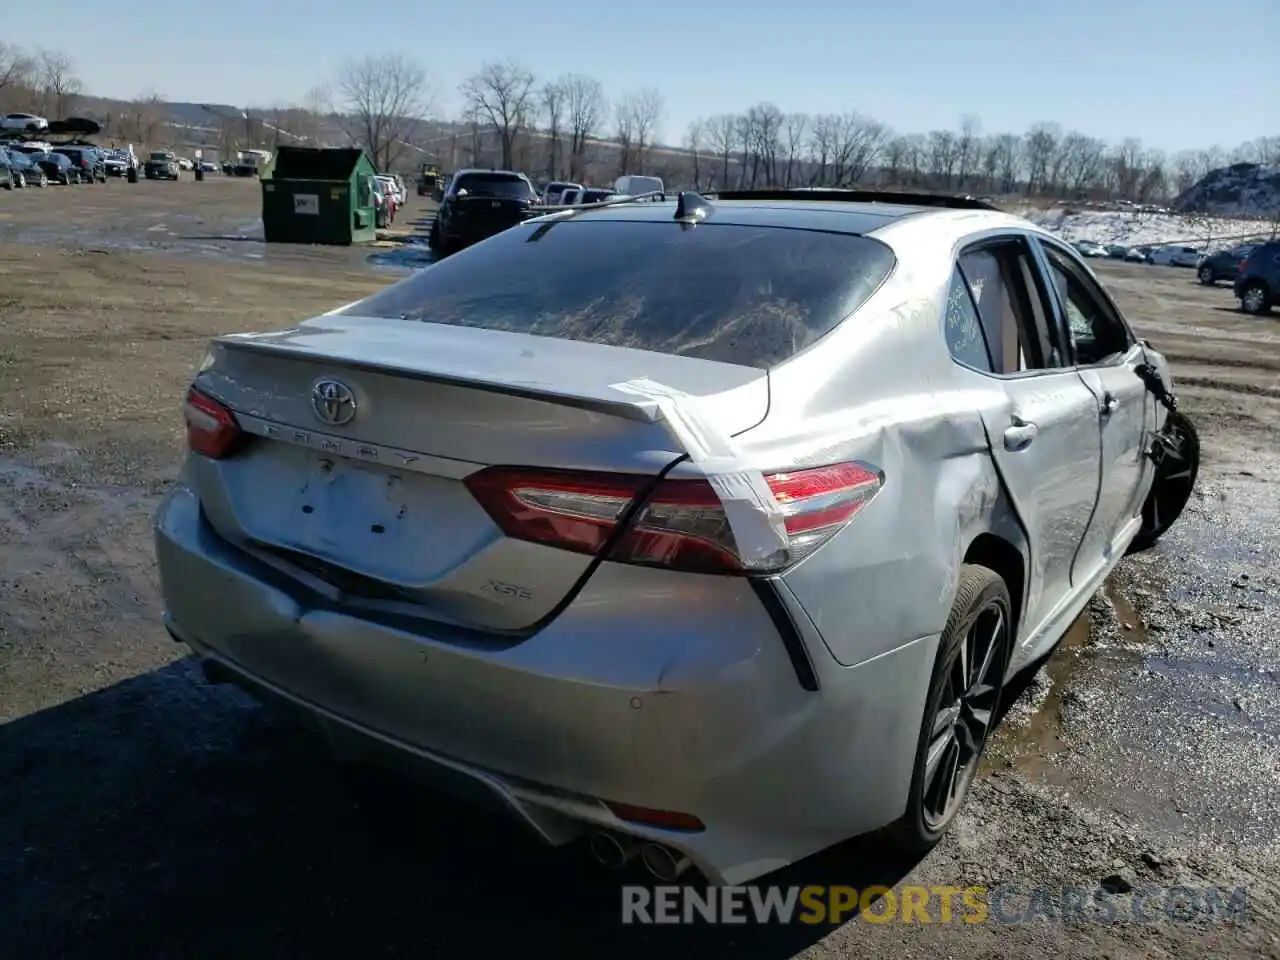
[708,531]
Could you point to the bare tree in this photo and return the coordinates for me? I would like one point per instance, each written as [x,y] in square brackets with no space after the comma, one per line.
[794,128]
[694,135]
[624,132]
[859,144]
[640,113]
[15,76]
[385,94]
[586,106]
[502,94]
[58,84]
[144,121]
[721,139]
[553,102]
[967,148]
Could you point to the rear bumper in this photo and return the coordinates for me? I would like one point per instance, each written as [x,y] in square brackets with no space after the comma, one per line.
[681,697]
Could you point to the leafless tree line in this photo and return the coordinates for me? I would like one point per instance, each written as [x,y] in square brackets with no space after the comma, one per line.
[766,147]
[568,115]
[43,82]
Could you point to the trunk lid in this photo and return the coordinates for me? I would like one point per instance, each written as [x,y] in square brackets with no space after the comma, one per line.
[375,506]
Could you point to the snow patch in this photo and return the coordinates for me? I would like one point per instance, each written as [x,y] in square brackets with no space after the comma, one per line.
[1134,229]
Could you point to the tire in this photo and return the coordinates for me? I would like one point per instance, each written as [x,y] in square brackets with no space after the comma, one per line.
[981,609]
[1255,299]
[1176,473]
[1207,276]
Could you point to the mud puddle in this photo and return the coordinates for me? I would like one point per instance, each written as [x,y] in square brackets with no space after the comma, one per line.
[1162,704]
[1107,638]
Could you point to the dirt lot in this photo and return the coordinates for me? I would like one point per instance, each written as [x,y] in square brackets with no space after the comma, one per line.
[148,814]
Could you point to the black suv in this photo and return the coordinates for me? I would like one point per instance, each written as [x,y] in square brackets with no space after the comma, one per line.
[1258,285]
[479,204]
[1223,264]
[89,162]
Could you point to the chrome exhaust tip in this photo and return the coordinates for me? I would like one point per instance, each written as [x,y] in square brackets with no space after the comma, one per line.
[612,851]
[663,863]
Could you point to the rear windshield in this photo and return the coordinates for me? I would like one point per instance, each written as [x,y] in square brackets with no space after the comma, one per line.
[595,196]
[748,295]
[494,185]
[159,156]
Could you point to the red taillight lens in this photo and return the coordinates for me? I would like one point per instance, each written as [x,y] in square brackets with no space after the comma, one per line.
[682,525]
[211,428]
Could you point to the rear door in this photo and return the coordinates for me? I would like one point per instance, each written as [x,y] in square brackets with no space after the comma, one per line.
[1106,354]
[1044,437]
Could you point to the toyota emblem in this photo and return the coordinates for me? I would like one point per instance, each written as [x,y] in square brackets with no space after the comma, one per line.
[334,402]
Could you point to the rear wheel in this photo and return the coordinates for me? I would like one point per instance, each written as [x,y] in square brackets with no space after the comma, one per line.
[1206,276]
[961,708]
[1255,299]
[1176,451]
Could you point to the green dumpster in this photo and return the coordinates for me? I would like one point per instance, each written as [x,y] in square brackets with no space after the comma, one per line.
[315,195]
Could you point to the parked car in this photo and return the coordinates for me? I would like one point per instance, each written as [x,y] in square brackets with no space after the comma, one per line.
[478,204]
[10,178]
[383,210]
[1175,255]
[635,186]
[1116,251]
[1257,286]
[88,162]
[1223,264]
[575,196]
[1138,255]
[57,167]
[208,166]
[23,121]
[185,164]
[394,192]
[30,173]
[162,165]
[1089,248]
[567,590]
[116,163]
[553,194]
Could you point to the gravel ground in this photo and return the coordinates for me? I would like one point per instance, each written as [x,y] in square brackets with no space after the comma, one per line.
[150,815]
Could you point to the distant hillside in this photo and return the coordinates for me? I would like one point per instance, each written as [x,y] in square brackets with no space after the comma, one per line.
[1240,190]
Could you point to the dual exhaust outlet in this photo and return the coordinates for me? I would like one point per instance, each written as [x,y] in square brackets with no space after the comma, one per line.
[615,851]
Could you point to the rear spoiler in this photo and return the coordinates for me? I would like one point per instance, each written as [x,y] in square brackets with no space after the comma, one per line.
[610,402]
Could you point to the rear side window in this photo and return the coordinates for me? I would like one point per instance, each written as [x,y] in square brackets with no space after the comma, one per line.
[966,338]
[494,185]
[748,295]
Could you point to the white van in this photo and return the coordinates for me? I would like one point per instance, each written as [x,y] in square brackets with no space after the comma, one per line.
[633,186]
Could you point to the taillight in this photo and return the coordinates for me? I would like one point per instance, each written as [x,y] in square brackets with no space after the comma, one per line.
[682,526]
[211,428]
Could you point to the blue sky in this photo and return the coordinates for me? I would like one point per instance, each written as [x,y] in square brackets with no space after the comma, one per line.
[1152,69]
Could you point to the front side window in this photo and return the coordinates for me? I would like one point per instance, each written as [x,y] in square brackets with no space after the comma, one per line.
[748,295]
[1097,335]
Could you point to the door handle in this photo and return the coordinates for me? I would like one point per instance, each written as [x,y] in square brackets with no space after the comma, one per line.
[1019,435]
[1109,405]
